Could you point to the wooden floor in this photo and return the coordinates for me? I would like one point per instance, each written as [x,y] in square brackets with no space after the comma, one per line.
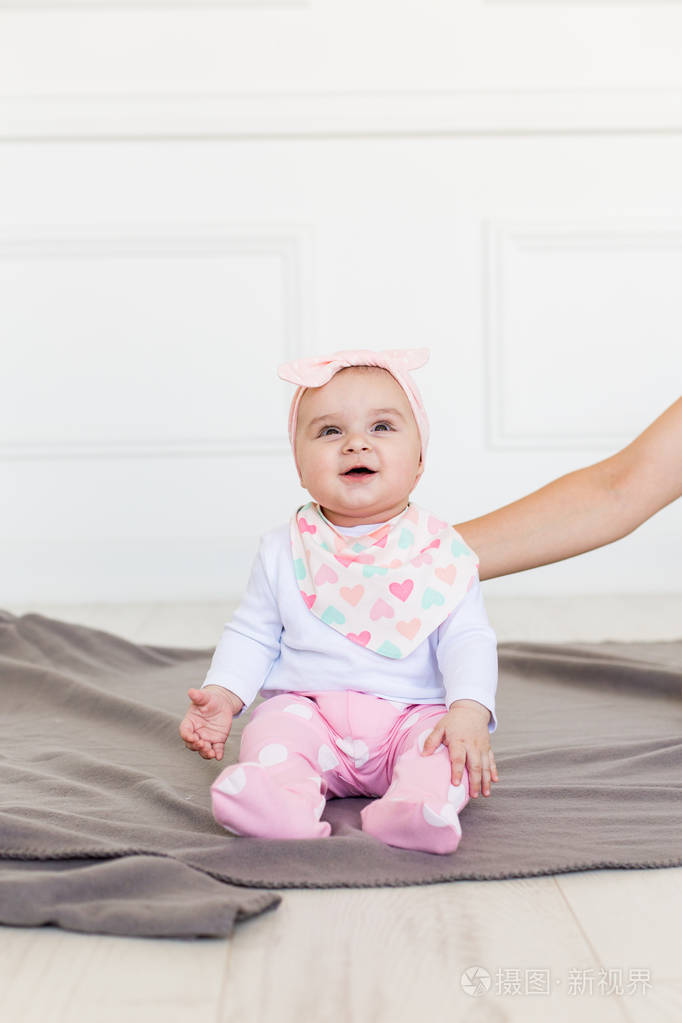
[597,945]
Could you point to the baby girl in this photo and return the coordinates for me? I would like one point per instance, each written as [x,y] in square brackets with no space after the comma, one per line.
[363,626]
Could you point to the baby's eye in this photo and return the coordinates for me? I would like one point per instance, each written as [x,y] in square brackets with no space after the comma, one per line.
[387,425]
[324,429]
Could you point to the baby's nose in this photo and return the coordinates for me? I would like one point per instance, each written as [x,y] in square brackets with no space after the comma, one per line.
[356,442]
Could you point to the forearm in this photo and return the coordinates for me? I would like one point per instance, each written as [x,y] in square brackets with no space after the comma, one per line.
[584,509]
[467,657]
[570,515]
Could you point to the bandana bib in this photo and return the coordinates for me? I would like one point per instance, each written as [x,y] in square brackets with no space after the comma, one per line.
[387,590]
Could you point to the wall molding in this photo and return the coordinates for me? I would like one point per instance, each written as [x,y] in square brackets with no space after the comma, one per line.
[292,245]
[549,236]
[319,114]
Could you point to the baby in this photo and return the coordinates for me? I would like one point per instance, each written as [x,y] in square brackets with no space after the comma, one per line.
[364,627]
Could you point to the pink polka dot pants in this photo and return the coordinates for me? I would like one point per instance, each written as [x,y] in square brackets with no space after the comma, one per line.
[299,750]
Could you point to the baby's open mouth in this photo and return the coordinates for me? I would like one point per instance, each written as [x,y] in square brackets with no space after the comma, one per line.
[359,470]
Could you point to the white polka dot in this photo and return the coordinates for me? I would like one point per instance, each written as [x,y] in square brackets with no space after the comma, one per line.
[233,782]
[275,753]
[431,817]
[446,818]
[410,720]
[318,809]
[423,736]
[450,814]
[326,757]
[354,748]
[300,709]
[457,796]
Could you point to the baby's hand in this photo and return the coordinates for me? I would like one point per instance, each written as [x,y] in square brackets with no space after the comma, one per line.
[206,725]
[464,730]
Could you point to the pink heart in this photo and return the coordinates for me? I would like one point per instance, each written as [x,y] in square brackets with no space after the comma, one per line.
[306,527]
[380,609]
[402,590]
[361,559]
[424,558]
[382,542]
[325,574]
[447,574]
[309,598]
[363,638]
[352,595]
[409,629]
[396,563]
[435,525]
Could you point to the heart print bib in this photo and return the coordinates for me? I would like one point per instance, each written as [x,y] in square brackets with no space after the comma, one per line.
[387,590]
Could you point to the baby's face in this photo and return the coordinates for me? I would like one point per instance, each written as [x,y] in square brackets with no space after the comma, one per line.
[355,429]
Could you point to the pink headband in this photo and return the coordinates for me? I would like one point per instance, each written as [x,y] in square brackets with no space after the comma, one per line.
[318,370]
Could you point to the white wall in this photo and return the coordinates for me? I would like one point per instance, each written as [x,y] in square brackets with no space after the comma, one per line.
[192,193]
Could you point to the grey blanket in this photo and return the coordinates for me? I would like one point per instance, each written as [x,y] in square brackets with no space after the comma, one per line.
[105,822]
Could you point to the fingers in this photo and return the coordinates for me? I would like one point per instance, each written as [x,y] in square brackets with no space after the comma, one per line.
[186,730]
[204,749]
[481,769]
[474,768]
[433,741]
[191,739]
[485,776]
[458,758]
[480,766]
[198,696]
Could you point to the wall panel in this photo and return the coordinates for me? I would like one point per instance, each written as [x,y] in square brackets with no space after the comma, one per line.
[192,193]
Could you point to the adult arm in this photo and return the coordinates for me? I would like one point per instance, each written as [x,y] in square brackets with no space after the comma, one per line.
[584,509]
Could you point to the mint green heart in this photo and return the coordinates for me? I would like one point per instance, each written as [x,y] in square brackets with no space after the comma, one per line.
[389,650]
[370,570]
[299,568]
[432,597]
[326,545]
[458,548]
[332,616]
[358,548]
[406,539]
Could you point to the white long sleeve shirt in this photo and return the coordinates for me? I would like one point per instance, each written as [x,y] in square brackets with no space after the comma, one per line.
[275,644]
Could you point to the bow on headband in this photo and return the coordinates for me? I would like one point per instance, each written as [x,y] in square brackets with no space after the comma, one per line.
[318,370]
